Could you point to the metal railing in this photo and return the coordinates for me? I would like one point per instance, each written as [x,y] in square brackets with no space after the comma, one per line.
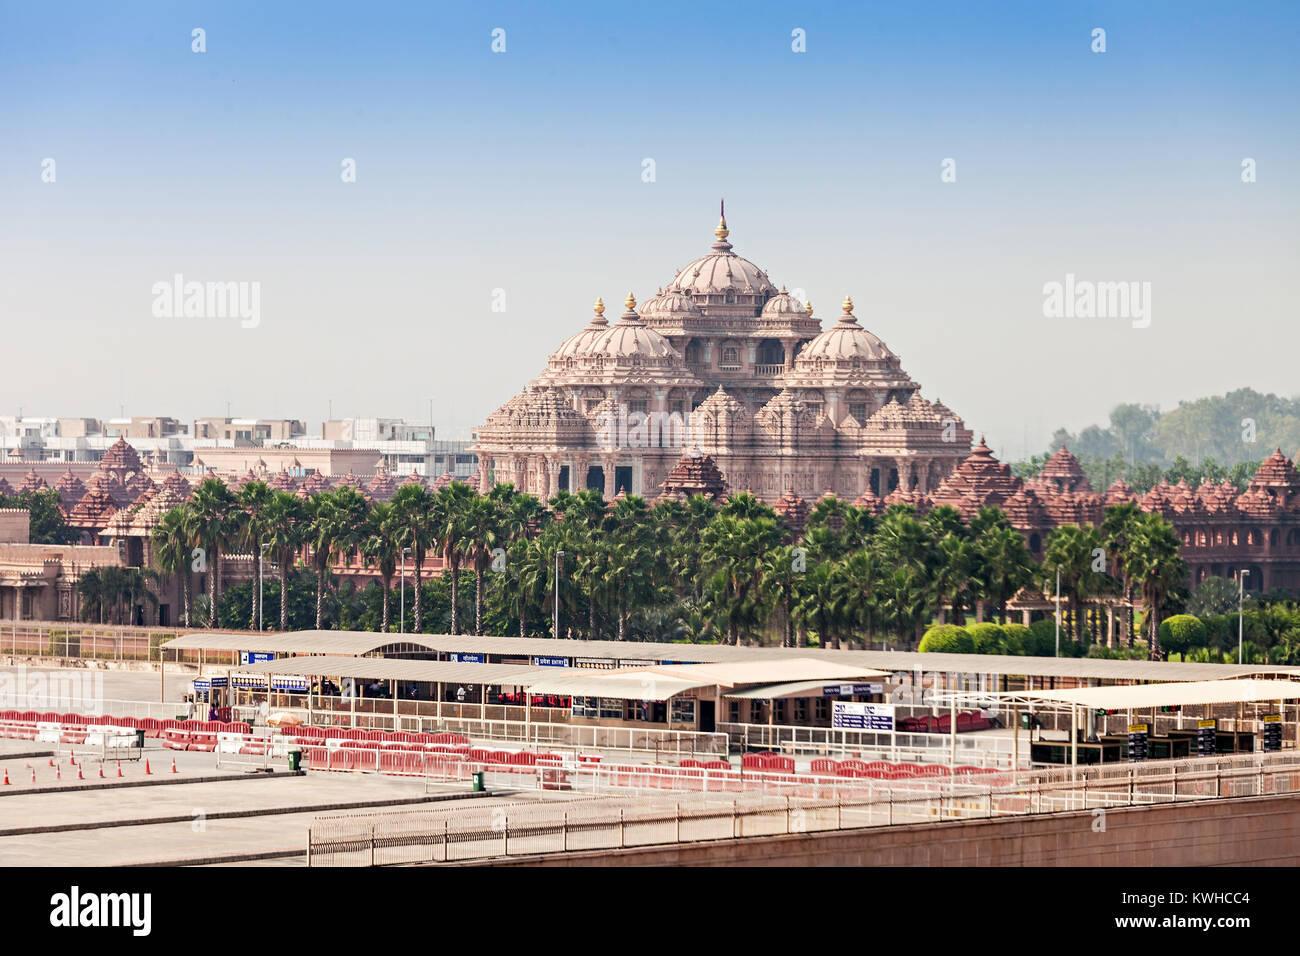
[475,833]
[974,748]
[72,640]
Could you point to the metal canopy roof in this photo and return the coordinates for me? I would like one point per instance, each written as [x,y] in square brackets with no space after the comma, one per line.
[351,643]
[1169,695]
[390,668]
[621,685]
[666,680]
[773,691]
[364,642]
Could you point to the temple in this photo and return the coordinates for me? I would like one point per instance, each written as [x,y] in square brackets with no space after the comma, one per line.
[722,361]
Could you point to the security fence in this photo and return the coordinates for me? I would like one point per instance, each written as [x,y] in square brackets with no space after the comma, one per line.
[541,827]
[68,640]
[976,749]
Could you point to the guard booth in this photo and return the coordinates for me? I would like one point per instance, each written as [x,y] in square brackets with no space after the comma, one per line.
[213,691]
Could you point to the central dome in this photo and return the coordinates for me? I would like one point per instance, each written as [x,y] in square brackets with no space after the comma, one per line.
[722,271]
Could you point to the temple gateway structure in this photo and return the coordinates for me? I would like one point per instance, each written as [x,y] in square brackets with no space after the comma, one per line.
[722,363]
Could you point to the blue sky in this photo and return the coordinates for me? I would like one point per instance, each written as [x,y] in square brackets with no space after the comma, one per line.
[521,171]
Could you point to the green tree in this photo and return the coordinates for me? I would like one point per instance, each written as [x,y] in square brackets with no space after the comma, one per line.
[212,527]
[286,533]
[251,502]
[171,552]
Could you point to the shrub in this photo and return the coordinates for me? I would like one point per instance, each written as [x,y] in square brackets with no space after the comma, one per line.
[988,638]
[1016,639]
[947,639]
[1041,639]
[1181,632]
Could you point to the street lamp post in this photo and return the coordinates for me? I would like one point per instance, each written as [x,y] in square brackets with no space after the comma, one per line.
[402,626]
[1241,596]
[1058,612]
[261,604]
[556,626]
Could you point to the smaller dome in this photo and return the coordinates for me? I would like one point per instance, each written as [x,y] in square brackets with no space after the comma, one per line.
[577,344]
[784,304]
[669,304]
[631,338]
[846,340]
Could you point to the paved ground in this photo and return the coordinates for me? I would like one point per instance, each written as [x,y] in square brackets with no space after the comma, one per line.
[120,838]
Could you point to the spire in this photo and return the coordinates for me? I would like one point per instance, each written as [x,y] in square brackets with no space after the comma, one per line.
[722,232]
[600,306]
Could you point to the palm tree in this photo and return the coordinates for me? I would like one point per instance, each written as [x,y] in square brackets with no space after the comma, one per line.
[381,545]
[855,588]
[211,528]
[450,530]
[1004,564]
[1117,529]
[337,522]
[171,552]
[815,607]
[482,524]
[1156,568]
[90,587]
[1071,551]
[954,567]
[782,571]
[251,527]
[286,524]
[733,551]
[413,511]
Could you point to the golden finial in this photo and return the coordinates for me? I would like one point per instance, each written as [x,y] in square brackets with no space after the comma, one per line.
[630,302]
[600,306]
[808,307]
[722,231]
[848,305]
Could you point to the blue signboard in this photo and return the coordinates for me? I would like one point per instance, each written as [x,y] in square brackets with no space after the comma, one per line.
[255,657]
[289,682]
[459,658]
[551,661]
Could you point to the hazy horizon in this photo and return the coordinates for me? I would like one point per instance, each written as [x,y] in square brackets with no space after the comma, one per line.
[522,171]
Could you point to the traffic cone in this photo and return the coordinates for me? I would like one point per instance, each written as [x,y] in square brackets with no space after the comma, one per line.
[33,775]
[80,776]
[147,771]
[119,768]
[173,765]
[58,772]
[72,757]
[51,760]
[6,776]
[101,771]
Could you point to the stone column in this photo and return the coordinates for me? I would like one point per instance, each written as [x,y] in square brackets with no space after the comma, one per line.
[904,466]
[483,479]
[553,466]
[607,464]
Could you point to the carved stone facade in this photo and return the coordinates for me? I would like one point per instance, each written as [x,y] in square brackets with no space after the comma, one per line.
[724,363]
[1223,531]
